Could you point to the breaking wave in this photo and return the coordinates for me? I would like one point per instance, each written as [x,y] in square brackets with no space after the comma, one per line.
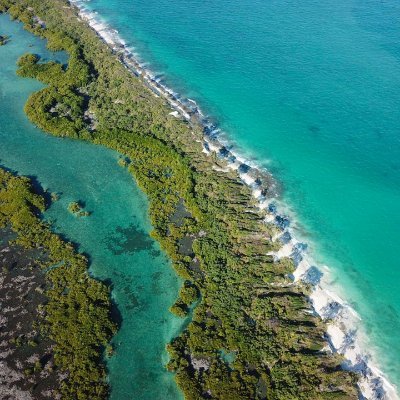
[344,328]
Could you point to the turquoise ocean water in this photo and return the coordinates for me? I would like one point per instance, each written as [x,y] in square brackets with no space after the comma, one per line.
[115,236]
[311,91]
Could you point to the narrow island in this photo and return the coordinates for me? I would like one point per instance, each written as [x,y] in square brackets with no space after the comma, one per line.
[251,331]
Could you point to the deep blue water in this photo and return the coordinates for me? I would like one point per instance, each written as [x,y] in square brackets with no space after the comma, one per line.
[310,90]
[115,236]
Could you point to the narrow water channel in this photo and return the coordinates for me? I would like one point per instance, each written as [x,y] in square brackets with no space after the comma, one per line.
[115,236]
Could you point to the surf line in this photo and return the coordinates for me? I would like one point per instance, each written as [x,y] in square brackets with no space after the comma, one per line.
[343,322]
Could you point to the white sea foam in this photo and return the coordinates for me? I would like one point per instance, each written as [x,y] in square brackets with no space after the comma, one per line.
[247,179]
[343,329]
[257,193]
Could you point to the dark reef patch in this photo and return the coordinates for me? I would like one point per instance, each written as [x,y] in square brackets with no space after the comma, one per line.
[128,240]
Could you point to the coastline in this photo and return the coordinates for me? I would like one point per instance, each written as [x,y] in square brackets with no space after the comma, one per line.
[274,217]
[342,321]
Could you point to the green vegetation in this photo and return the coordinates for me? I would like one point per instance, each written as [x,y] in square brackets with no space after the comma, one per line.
[123,162]
[77,313]
[188,293]
[3,40]
[247,304]
[109,351]
[179,308]
[75,208]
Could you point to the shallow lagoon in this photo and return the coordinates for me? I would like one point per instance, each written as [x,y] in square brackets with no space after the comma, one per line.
[115,236]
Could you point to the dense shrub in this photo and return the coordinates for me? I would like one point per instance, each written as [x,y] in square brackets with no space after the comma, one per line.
[247,303]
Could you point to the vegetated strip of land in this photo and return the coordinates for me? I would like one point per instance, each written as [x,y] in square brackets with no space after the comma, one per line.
[54,320]
[253,334]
